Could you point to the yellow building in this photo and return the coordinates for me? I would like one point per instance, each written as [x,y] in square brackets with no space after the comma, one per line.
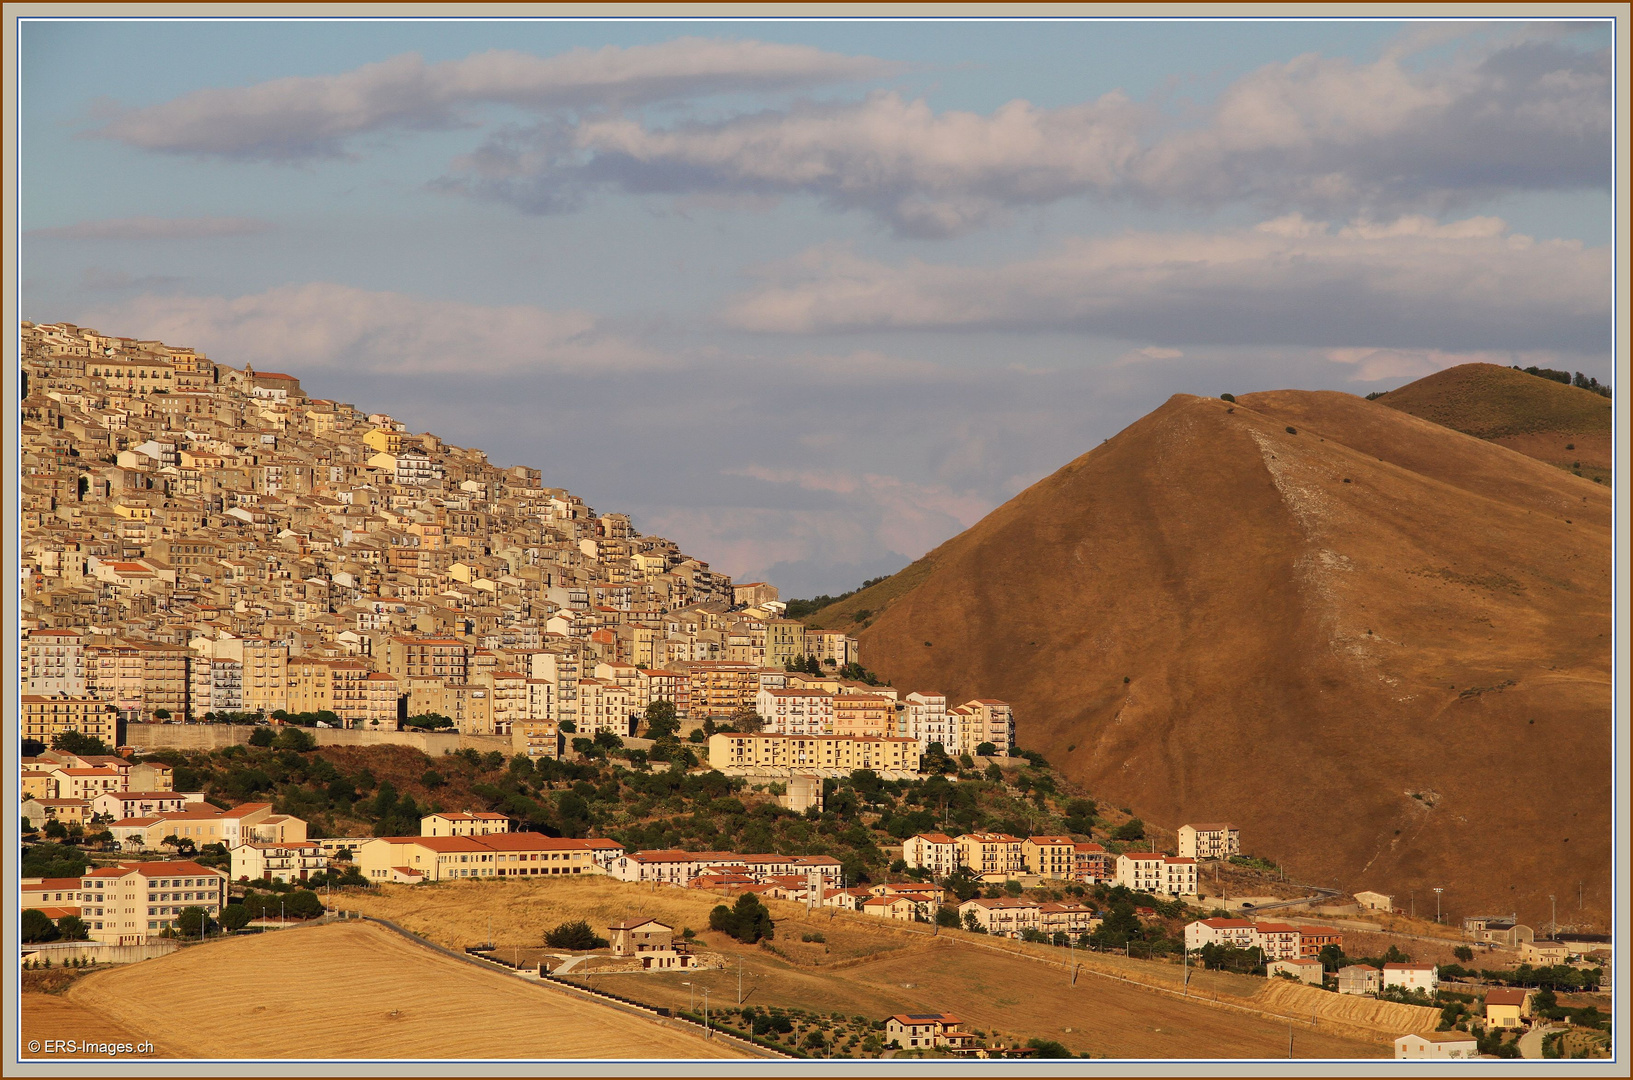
[447,858]
[127,904]
[44,718]
[536,738]
[843,752]
[384,440]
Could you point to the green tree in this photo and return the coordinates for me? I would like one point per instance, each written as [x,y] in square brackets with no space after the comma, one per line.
[1463,953]
[53,860]
[1332,958]
[235,917]
[303,904]
[74,742]
[191,922]
[575,935]
[661,722]
[986,749]
[973,924]
[56,830]
[1048,1048]
[261,736]
[73,928]
[1132,829]
[293,738]
[748,920]
[37,926]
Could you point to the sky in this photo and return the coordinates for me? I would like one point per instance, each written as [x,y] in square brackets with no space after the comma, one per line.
[811,297]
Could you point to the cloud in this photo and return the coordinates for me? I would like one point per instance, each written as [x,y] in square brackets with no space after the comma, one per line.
[155,228]
[1371,365]
[96,279]
[1316,133]
[926,174]
[865,518]
[325,325]
[1331,135]
[1150,352]
[1409,283]
[309,117]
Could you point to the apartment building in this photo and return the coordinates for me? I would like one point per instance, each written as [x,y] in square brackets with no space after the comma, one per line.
[935,852]
[43,718]
[451,858]
[463,824]
[734,750]
[863,714]
[131,902]
[54,663]
[1219,840]
[291,862]
[995,855]
[796,711]
[1050,856]
[1157,874]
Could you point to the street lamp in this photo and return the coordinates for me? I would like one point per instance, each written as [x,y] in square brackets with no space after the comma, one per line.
[1438,890]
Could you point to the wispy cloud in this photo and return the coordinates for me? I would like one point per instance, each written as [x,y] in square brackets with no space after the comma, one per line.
[1320,134]
[308,117]
[1409,283]
[325,325]
[154,228]
[1372,365]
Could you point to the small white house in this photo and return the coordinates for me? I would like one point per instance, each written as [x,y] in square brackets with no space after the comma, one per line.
[1411,977]
[1437,1044]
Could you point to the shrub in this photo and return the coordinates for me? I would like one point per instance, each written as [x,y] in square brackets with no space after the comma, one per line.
[1228,397]
[748,920]
[261,737]
[575,935]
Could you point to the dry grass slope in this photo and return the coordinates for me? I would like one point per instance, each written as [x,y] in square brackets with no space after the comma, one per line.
[1562,425]
[355,990]
[876,969]
[1376,644]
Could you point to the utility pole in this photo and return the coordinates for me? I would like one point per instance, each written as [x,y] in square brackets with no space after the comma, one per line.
[1553,918]
[739,980]
[707,1034]
[1438,890]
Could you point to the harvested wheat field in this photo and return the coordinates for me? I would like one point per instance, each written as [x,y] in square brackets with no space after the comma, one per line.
[876,968]
[53,1016]
[354,990]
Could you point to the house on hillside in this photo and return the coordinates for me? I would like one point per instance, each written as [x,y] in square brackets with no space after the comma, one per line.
[927,1030]
[653,943]
[1304,969]
[1437,1044]
[1411,977]
[1359,979]
[1508,1007]
[1373,901]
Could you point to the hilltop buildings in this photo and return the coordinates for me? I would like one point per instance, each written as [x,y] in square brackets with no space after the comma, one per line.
[201,541]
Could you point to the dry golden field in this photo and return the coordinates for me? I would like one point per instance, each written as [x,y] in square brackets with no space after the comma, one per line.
[53,1016]
[875,969]
[355,990]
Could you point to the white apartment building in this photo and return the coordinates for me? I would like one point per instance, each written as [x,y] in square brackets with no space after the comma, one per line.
[1158,874]
[935,852]
[1216,840]
[926,721]
[796,712]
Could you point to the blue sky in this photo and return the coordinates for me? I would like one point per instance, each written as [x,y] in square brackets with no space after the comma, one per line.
[811,297]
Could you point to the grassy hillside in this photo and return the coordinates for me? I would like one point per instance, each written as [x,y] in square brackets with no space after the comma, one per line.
[1359,635]
[1565,426]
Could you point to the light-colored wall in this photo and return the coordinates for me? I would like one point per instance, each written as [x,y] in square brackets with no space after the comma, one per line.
[215,736]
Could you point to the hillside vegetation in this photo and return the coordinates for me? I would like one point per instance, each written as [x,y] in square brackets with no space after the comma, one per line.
[1366,639]
[1564,425]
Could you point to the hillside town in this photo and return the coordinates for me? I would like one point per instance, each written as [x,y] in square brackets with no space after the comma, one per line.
[204,543]
[211,546]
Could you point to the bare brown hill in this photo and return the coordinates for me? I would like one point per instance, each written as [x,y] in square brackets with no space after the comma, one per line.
[1563,425]
[1378,645]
